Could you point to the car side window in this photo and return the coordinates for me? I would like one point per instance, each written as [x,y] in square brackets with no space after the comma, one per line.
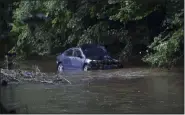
[69,52]
[77,53]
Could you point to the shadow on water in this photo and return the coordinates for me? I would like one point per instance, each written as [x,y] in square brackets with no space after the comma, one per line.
[131,90]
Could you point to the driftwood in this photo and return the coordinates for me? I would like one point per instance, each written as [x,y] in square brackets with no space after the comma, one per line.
[37,76]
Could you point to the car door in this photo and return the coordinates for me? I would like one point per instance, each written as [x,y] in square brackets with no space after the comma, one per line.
[67,59]
[78,60]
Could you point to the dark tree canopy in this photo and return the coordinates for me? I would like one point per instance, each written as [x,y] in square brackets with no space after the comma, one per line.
[120,25]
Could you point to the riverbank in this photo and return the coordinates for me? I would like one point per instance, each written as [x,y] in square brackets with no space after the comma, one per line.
[50,61]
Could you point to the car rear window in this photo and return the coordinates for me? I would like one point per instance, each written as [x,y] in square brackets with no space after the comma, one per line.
[95,53]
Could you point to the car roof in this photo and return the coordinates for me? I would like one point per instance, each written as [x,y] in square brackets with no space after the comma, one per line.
[72,48]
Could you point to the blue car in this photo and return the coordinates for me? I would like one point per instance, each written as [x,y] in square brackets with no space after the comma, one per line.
[86,57]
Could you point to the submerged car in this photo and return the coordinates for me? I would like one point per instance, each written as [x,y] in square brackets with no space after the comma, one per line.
[86,57]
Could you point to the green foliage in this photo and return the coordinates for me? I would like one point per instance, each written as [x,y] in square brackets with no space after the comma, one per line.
[37,38]
[132,10]
[168,46]
[77,22]
[166,52]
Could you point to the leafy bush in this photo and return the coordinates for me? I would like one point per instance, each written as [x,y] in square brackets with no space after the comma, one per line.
[72,23]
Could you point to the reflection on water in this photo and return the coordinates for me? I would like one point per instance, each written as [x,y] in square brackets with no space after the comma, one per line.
[135,90]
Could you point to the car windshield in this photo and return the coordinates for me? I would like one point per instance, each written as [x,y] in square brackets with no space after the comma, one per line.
[95,53]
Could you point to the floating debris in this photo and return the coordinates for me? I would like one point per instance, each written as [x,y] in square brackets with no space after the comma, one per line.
[35,76]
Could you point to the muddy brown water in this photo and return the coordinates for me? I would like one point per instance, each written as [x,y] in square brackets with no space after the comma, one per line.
[127,90]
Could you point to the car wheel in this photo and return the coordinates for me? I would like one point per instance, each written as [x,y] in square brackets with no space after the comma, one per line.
[60,67]
[86,67]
